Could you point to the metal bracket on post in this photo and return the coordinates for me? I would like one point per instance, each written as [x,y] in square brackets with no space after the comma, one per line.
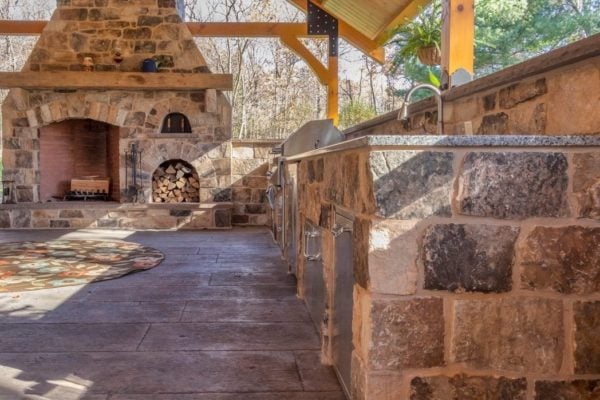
[320,22]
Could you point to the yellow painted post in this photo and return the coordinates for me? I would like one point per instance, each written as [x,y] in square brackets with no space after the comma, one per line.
[458,41]
[333,111]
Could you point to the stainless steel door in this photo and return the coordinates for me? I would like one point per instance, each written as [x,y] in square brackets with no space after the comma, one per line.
[314,278]
[343,299]
[290,236]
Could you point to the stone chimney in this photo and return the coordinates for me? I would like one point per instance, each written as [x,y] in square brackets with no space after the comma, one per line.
[139,29]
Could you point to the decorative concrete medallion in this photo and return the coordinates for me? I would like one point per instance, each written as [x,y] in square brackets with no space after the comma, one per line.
[43,265]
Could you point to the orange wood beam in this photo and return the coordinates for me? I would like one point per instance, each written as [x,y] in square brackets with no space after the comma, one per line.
[295,45]
[114,80]
[367,45]
[21,28]
[247,29]
[229,29]
[458,37]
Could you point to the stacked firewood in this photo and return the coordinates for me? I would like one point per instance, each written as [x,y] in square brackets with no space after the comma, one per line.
[176,183]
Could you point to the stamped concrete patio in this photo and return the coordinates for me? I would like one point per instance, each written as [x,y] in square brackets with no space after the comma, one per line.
[219,319]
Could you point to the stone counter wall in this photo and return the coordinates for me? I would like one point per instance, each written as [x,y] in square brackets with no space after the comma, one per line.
[251,160]
[477,270]
[559,101]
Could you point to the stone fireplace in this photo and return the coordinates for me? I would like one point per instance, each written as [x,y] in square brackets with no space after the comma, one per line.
[51,136]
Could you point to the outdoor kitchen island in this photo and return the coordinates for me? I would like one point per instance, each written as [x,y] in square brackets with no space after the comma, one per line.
[461,264]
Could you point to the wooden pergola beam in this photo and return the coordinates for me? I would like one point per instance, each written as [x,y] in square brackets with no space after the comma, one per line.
[295,45]
[247,29]
[21,28]
[228,29]
[458,41]
[115,80]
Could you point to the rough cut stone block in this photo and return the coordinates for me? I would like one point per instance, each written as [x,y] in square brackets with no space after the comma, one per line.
[71,214]
[223,218]
[379,385]
[412,184]
[472,258]
[517,334]
[252,167]
[494,124]
[586,184]
[59,223]
[467,388]
[514,185]
[407,334]
[4,219]
[522,92]
[21,219]
[393,251]
[239,152]
[573,390]
[23,159]
[360,238]
[316,170]
[565,260]
[587,338]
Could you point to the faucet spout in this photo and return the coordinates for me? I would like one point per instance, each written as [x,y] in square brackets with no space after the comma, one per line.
[403,114]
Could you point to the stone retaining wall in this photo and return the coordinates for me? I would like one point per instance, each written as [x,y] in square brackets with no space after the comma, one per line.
[251,160]
[115,216]
[477,269]
[554,94]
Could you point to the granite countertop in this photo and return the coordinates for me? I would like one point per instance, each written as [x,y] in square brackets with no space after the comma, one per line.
[425,141]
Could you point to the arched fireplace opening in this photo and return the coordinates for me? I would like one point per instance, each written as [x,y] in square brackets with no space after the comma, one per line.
[176,123]
[175,181]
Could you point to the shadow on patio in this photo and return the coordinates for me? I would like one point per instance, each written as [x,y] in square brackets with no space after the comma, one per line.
[219,319]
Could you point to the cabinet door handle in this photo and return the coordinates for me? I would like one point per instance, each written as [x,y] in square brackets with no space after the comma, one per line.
[310,236]
[338,230]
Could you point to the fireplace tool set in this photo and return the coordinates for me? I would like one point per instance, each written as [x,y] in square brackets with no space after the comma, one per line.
[134,182]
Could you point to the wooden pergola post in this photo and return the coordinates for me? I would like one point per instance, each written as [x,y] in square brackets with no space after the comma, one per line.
[333,100]
[458,42]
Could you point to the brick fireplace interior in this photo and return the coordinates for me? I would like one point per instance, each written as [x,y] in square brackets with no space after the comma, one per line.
[77,149]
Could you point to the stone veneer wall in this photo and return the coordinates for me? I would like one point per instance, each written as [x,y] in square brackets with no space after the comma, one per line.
[554,94]
[251,160]
[114,216]
[477,269]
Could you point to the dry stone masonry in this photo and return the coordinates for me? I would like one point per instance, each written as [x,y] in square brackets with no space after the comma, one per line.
[477,272]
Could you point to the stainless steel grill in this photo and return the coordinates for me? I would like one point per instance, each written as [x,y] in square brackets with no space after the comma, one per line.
[311,136]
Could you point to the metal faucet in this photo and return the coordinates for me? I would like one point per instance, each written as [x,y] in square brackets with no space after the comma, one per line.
[403,114]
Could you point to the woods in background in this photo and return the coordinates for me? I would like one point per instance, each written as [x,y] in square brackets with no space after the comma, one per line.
[274,91]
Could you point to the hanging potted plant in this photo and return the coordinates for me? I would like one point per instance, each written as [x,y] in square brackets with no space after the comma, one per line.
[421,37]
